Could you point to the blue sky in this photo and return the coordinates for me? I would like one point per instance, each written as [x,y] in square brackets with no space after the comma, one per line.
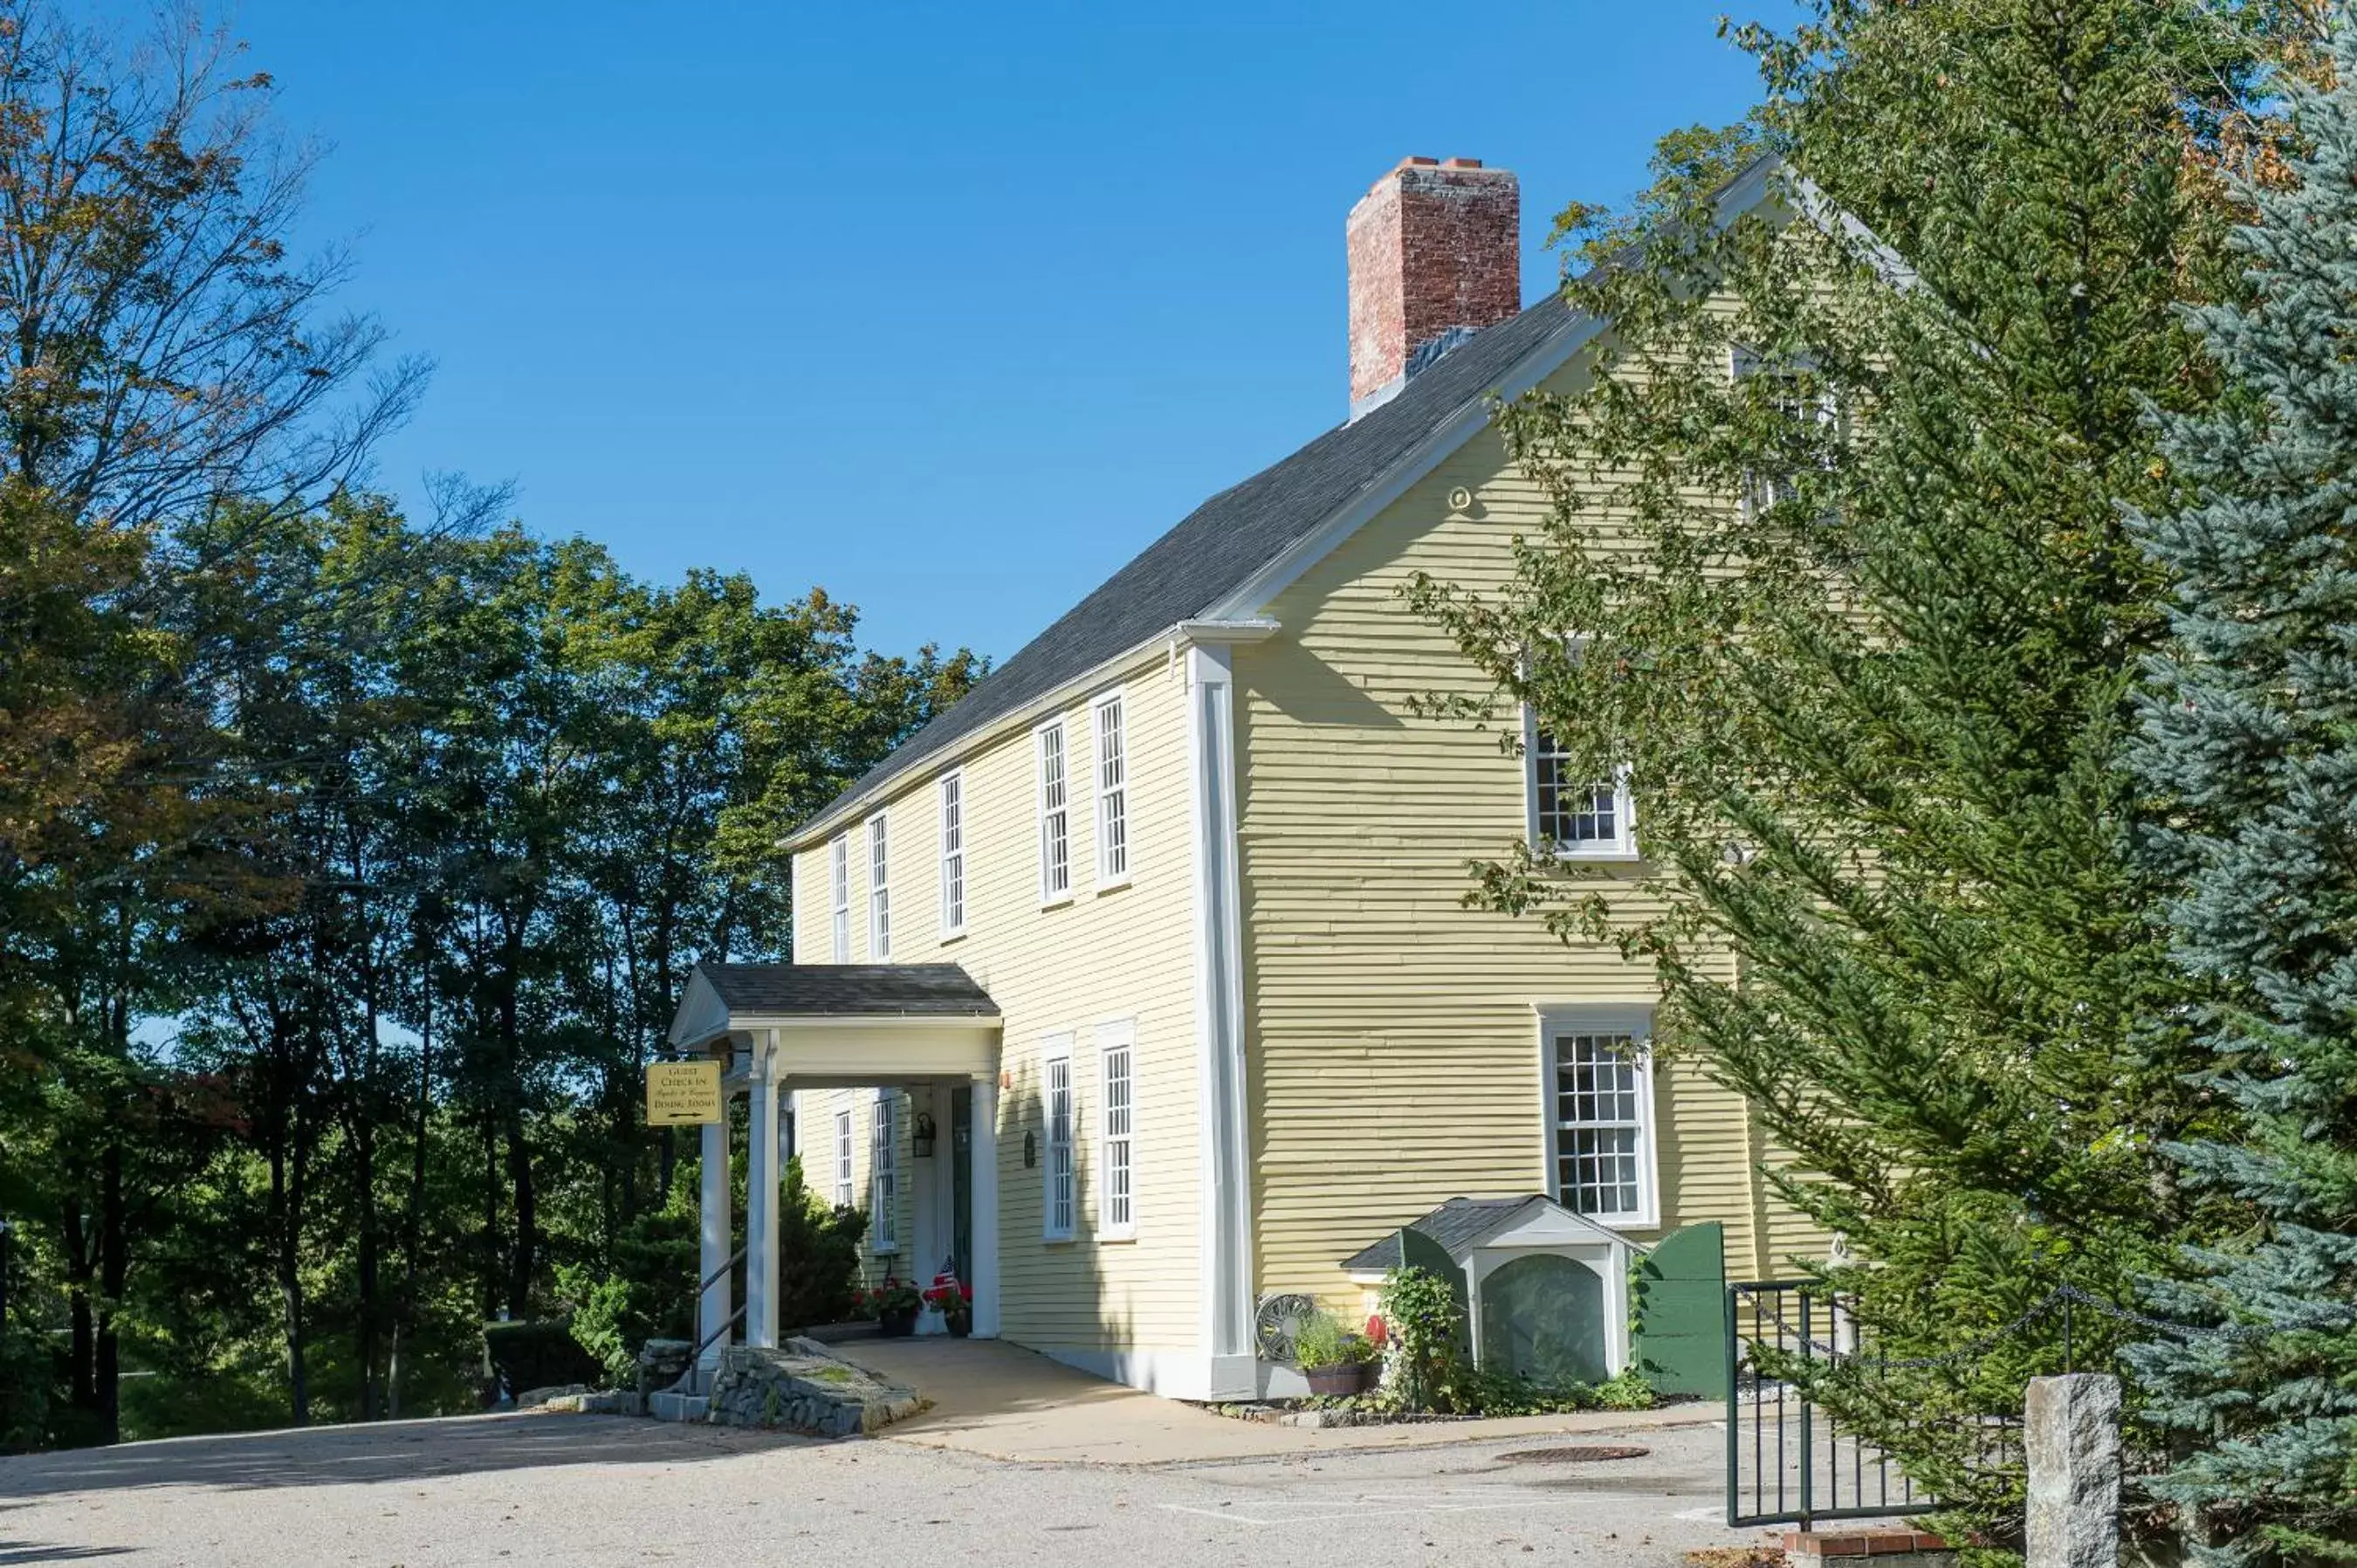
[948,309]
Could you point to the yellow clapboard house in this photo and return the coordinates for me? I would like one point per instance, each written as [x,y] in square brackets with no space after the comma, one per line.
[1188,1014]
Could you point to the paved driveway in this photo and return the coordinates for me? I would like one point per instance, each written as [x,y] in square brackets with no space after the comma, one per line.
[572,1491]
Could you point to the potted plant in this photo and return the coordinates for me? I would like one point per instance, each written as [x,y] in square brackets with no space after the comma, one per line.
[953,1299]
[1334,1362]
[896,1304]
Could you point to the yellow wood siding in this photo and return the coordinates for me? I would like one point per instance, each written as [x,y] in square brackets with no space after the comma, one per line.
[1393,1048]
[1097,957]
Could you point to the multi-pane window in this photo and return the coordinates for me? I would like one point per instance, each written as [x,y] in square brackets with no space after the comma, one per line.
[1603,1168]
[1055,822]
[1808,418]
[1112,793]
[879,894]
[1571,814]
[839,858]
[883,1177]
[843,1159]
[952,855]
[1116,1155]
[1056,1222]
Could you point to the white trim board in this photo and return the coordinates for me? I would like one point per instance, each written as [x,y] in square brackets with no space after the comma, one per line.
[1173,1374]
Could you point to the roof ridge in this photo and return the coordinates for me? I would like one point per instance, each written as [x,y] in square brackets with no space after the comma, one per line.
[1219,544]
[1234,534]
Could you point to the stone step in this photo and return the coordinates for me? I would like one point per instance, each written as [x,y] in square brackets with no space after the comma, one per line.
[677,1407]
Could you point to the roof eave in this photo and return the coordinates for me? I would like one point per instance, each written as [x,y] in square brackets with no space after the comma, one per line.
[1201,630]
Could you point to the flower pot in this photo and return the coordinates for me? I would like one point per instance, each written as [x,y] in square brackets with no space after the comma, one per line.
[1338,1382]
[960,1327]
[898,1324]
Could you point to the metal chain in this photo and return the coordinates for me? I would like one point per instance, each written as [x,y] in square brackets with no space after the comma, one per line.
[2056,1297]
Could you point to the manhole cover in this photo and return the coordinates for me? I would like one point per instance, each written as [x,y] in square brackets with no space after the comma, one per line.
[1590,1454]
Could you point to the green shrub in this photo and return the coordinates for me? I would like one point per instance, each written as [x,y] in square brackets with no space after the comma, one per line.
[1317,1341]
[1626,1390]
[188,1402]
[28,1376]
[538,1353]
[1433,1374]
[1428,1333]
[601,1321]
[818,1266]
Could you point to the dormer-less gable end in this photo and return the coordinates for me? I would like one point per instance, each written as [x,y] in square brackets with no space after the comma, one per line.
[1223,563]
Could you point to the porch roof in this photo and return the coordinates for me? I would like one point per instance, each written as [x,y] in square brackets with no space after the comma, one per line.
[844,1023]
[838,989]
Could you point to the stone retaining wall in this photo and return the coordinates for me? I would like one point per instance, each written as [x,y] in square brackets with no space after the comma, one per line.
[798,1387]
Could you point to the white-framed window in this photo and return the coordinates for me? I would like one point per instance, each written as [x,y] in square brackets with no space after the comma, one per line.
[879,892]
[1793,400]
[1055,818]
[883,1176]
[1574,816]
[838,854]
[952,790]
[1600,1114]
[1108,715]
[1057,1214]
[1117,1132]
[843,1159]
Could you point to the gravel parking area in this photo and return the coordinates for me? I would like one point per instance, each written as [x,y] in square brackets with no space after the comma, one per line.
[580,1490]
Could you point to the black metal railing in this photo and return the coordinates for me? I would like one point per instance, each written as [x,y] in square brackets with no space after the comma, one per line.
[1788,1460]
[686,1379]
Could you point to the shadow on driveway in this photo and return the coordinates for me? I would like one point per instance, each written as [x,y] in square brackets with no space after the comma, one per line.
[14,1551]
[358,1454]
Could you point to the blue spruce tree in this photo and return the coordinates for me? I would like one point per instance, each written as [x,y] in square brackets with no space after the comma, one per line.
[2249,747]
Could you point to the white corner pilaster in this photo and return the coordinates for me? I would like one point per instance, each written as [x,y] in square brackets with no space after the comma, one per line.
[1226,1214]
[983,1163]
[761,1178]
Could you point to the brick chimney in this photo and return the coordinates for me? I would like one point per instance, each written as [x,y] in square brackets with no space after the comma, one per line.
[1435,255]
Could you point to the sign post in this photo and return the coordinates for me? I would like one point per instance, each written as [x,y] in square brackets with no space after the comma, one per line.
[683,1094]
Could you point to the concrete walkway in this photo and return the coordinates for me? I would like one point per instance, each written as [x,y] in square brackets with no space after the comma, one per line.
[998,1402]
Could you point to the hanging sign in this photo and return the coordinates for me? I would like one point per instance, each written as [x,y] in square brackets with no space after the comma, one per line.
[683,1094]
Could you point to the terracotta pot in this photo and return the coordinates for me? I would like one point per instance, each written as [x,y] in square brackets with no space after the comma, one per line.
[1337,1382]
[897,1324]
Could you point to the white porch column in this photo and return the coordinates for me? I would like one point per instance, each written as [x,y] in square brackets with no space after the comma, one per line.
[713,1311]
[984,1163]
[761,1176]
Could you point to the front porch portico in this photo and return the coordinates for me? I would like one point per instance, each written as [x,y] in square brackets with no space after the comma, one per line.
[775,1028]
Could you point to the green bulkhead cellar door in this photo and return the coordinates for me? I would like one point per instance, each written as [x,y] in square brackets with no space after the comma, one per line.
[1680,1301]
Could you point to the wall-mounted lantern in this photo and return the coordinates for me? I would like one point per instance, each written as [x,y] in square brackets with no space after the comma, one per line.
[921,1135]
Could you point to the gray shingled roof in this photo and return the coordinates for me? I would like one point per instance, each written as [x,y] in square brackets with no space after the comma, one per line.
[1223,541]
[933,990]
[1219,546]
[1457,1225]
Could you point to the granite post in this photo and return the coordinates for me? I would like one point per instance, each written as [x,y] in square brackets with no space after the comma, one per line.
[2073,1439]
